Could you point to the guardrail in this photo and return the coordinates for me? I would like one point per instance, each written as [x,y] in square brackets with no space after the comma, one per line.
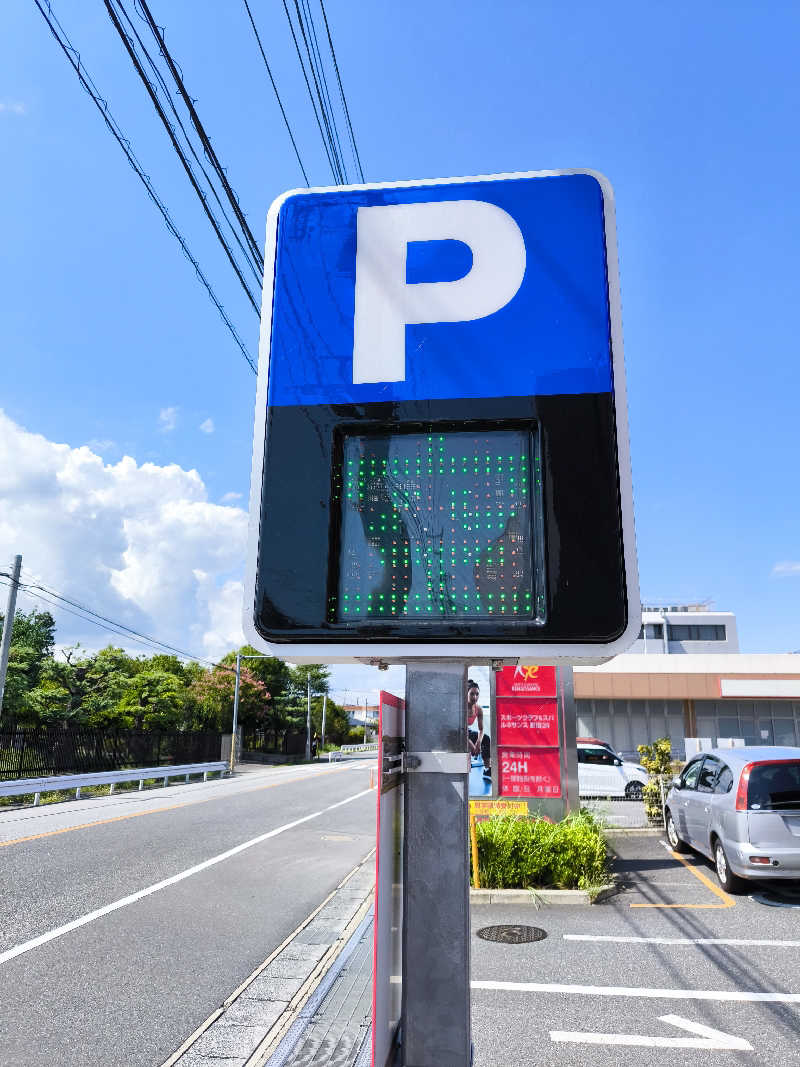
[352,750]
[37,786]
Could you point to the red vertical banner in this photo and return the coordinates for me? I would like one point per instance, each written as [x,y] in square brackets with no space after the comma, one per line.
[528,732]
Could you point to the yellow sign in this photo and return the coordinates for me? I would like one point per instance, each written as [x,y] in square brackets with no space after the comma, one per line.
[498,807]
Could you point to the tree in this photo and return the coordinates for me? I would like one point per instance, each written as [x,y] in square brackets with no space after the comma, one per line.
[154,700]
[32,640]
[214,693]
[273,672]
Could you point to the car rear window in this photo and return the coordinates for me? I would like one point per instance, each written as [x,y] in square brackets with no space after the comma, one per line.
[773,786]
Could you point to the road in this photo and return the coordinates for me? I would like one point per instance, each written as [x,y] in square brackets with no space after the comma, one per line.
[101,962]
[596,991]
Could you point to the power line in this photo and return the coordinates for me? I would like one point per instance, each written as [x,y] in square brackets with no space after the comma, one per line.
[255,262]
[342,96]
[317,77]
[126,40]
[74,59]
[88,614]
[275,88]
[211,155]
[325,141]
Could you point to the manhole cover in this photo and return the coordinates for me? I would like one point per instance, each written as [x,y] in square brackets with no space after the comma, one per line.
[512,935]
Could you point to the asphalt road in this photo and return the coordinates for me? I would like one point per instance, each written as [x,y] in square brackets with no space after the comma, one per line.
[617,969]
[102,963]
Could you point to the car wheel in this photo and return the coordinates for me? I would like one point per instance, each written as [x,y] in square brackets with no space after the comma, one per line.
[633,791]
[675,843]
[727,879]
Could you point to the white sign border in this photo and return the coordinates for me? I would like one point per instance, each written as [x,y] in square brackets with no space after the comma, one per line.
[482,652]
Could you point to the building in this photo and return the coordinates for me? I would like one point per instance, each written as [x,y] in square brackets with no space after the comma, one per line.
[362,714]
[635,699]
[685,629]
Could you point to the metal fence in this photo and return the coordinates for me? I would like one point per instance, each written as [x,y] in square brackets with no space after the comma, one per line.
[256,743]
[37,752]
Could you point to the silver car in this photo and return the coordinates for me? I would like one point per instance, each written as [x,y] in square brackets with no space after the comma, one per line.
[741,808]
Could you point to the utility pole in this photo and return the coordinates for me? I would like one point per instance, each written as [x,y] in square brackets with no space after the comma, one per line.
[324,709]
[8,626]
[308,718]
[235,709]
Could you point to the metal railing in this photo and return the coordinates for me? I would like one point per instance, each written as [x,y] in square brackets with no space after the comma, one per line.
[68,782]
[351,750]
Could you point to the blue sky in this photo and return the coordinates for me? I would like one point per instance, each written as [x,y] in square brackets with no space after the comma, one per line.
[690,110]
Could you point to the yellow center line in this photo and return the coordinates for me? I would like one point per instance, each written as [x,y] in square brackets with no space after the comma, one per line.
[727,900]
[157,811]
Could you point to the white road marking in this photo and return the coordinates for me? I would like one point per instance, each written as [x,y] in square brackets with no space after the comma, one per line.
[743,941]
[51,935]
[708,1039]
[636,991]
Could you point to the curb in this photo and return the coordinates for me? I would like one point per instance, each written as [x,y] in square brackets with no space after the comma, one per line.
[543,898]
[256,1016]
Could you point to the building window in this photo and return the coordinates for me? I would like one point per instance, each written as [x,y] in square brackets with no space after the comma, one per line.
[652,630]
[704,632]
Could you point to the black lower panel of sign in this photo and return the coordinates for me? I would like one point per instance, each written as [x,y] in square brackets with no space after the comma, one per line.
[583,582]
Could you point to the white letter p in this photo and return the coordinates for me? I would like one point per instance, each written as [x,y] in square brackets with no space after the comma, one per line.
[385,303]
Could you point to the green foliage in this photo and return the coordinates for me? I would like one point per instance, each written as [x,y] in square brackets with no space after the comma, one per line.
[520,852]
[32,640]
[657,759]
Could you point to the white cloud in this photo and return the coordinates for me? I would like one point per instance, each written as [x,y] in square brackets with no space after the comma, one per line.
[12,107]
[101,444]
[140,543]
[167,419]
[207,426]
[787,569]
[229,498]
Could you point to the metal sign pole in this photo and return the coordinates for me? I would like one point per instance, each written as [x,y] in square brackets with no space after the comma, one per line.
[436,1004]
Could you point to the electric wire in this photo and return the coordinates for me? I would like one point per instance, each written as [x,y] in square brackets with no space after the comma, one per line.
[60,602]
[342,96]
[74,59]
[325,142]
[253,262]
[275,89]
[323,81]
[339,170]
[179,151]
[208,148]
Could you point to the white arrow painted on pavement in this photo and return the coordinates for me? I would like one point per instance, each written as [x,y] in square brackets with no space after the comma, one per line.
[708,1039]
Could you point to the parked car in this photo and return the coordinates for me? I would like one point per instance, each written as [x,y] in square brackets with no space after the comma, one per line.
[741,808]
[601,773]
[628,756]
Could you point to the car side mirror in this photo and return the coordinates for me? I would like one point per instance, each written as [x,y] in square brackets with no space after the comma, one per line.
[676,782]
[617,762]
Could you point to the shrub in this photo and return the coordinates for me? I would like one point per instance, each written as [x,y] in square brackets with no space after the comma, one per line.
[657,760]
[523,852]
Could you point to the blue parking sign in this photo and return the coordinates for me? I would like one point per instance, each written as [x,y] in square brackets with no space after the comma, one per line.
[479,314]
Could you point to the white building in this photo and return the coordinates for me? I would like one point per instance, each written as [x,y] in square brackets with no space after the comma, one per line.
[683,629]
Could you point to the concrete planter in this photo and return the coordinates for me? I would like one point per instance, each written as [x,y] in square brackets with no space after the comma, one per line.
[543,898]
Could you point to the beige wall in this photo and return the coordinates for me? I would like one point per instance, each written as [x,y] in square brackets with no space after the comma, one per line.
[605,685]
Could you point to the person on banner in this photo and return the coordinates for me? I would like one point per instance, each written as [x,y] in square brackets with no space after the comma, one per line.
[479,743]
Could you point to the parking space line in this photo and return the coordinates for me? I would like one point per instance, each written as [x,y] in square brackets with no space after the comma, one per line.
[727,900]
[738,995]
[744,942]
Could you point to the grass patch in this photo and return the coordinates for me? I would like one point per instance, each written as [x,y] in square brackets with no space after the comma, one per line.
[523,852]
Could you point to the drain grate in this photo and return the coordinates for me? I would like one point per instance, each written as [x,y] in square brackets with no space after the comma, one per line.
[512,935]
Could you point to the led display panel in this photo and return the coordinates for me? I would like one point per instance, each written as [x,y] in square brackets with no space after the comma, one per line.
[440,524]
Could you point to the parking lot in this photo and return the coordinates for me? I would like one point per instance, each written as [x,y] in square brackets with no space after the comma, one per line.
[671,964]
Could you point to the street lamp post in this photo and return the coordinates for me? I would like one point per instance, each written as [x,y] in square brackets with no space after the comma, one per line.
[235,710]
[308,717]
